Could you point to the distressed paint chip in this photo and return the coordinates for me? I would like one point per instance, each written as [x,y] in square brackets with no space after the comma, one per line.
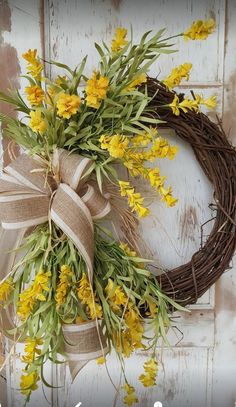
[188,223]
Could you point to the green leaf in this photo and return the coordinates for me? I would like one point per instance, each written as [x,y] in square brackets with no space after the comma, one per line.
[63,66]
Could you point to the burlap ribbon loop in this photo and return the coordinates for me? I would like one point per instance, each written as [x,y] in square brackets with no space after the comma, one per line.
[30,196]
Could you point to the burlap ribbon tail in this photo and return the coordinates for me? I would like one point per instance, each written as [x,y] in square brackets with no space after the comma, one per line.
[29,196]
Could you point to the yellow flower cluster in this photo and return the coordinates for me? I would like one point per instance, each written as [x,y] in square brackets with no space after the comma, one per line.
[134,155]
[37,123]
[136,82]
[5,289]
[200,30]
[157,181]
[35,95]
[177,74]
[161,148]
[28,383]
[34,67]
[31,350]
[67,105]
[131,337]
[130,397]
[64,285]
[192,104]
[116,145]
[115,295]
[148,378]
[143,140]
[34,293]
[119,41]
[96,90]
[88,298]
[135,200]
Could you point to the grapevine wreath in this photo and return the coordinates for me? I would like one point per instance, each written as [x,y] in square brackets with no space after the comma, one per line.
[217,158]
[74,283]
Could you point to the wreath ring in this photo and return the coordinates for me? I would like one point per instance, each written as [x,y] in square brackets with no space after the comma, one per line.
[217,158]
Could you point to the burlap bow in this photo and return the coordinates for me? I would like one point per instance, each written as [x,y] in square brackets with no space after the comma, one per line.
[30,196]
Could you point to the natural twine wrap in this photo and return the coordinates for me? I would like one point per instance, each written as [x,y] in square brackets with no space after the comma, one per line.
[29,196]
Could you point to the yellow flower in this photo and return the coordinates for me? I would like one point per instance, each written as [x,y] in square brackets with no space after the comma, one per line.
[167,196]
[96,90]
[31,350]
[67,105]
[30,55]
[185,105]
[34,66]
[127,249]
[151,366]
[154,177]
[105,141]
[101,360]
[142,211]
[188,104]
[28,383]
[84,290]
[161,148]
[124,186]
[119,40]
[130,397]
[210,102]
[37,123]
[88,298]
[158,182]
[35,95]
[152,308]
[35,69]
[116,145]
[135,327]
[63,286]
[130,338]
[135,200]
[5,289]
[32,294]
[136,82]
[142,140]
[149,378]
[200,30]
[174,105]
[41,284]
[170,200]
[115,295]
[95,309]
[177,74]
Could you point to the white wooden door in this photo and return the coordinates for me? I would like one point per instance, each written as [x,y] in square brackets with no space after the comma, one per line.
[200,370]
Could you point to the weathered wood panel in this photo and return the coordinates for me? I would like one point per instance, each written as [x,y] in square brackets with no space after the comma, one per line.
[199,371]
[185,366]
